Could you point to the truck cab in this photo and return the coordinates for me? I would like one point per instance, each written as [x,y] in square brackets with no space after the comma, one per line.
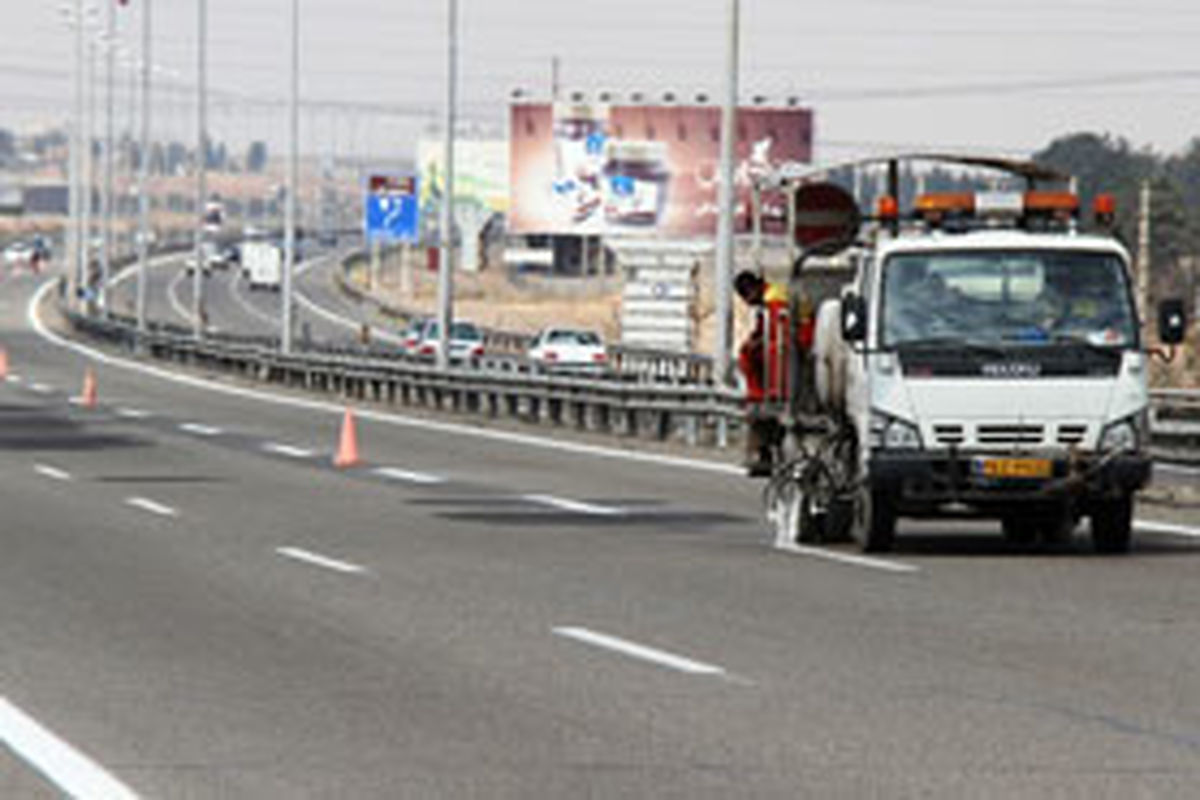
[996,369]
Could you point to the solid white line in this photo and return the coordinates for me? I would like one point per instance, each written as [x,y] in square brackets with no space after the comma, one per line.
[132,413]
[51,472]
[287,450]
[146,504]
[1178,469]
[574,506]
[173,297]
[1171,528]
[67,768]
[408,476]
[316,559]
[345,322]
[634,650]
[200,430]
[246,305]
[848,558]
[399,420]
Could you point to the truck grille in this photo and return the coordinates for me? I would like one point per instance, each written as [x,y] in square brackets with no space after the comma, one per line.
[1071,434]
[1010,434]
[949,435]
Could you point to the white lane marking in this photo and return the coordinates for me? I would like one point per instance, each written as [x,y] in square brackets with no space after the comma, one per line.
[316,559]
[1171,528]
[41,388]
[146,504]
[398,420]
[848,558]
[67,768]
[408,476]
[246,305]
[200,430]
[634,650]
[14,379]
[345,322]
[574,506]
[132,413]
[51,472]
[1178,469]
[287,450]
[173,297]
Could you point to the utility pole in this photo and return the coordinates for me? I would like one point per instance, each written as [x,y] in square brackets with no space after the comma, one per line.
[75,158]
[1143,255]
[143,246]
[198,312]
[89,169]
[107,200]
[446,259]
[292,184]
[725,201]
[555,77]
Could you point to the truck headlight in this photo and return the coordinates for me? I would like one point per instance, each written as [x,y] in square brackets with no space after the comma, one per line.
[892,433]
[1120,435]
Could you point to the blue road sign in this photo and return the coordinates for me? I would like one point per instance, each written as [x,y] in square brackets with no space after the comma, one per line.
[392,208]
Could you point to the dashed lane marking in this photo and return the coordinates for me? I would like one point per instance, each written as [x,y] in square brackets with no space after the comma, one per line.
[573,506]
[197,429]
[54,473]
[318,560]
[407,476]
[287,450]
[132,413]
[1170,528]
[146,504]
[639,651]
[848,558]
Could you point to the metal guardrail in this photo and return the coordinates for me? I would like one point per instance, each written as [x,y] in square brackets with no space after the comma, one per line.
[1175,424]
[694,415]
[626,363]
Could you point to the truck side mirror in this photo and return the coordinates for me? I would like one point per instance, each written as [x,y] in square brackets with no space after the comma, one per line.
[854,318]
[1172,321]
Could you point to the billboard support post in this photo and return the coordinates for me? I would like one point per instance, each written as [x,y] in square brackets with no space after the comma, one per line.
[446,261]
[725,243]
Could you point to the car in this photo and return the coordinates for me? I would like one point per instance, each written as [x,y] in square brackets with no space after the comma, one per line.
[410,337]
[569,349]
[18,254]
[466,342]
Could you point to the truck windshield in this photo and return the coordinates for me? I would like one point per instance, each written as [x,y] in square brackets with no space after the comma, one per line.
[988,297]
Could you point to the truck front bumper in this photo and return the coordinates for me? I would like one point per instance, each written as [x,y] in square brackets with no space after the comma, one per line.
[931,482]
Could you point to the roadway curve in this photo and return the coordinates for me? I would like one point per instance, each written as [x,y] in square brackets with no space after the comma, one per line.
[203,607]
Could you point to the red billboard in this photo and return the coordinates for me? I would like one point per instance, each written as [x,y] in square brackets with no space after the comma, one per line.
[580,168]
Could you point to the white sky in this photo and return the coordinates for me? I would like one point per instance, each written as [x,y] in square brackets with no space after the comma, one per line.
[1005,76]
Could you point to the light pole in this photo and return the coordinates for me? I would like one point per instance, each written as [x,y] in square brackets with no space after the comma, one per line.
[446,255]
[725,201]
[143,245]
[201,164]
[110,61]
[88,168]
[292,183]
[75,156]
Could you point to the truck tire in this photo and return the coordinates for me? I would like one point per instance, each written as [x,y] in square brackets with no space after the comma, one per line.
[874,524]
[1112,525]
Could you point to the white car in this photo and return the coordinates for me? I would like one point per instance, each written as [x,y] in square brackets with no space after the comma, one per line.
[466,342]
[569,349]
[18,254]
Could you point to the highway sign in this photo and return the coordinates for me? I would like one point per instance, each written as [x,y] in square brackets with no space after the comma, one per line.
[392,210]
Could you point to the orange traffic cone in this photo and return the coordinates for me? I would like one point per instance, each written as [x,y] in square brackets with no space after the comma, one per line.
[3,363]
[347,452]
[88,398]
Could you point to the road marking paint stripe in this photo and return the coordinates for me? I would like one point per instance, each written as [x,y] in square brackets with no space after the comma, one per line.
[1174,529]
[41,388]
[132,413]
[14,379]
[409,477]
[287,450]
[67,768]
[52,472]
[1178,469]
[199,430]
[848,558]
[147,504]
[316,559]
[398,420]
[625,647]
[574,506]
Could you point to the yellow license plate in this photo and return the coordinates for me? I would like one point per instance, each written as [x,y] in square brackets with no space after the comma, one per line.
[1014,467]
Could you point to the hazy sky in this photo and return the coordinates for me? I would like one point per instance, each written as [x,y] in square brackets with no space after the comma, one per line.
[961,73]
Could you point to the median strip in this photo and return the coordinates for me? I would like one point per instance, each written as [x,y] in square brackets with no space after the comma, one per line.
[641,652]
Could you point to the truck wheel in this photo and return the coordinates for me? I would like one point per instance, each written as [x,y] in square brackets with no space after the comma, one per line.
[839,521]
[1020,531]
[874,525]
[1112,525]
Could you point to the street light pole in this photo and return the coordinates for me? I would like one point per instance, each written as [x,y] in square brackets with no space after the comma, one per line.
[201,165]
[143,247]
[89,168]
[292,183]
[725,200]
[110,61]
[446,256]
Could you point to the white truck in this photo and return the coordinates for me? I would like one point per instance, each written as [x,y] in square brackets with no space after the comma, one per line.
[262,265]
[987,360]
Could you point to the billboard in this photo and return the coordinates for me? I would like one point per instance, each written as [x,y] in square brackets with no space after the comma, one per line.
[581,168]
[480,173]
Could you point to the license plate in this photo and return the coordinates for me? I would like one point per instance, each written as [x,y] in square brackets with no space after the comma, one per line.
[1014,467]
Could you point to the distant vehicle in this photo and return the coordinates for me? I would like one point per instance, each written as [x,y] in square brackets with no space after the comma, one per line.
[18,254]
[214,258]
[262,265]
[231,255]
[466,342]
[410,337]
[569,349]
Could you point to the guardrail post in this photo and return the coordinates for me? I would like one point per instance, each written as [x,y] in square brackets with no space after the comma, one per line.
[722,432]
[691,430]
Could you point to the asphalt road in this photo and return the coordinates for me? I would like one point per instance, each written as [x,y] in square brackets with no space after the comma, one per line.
[201,606]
